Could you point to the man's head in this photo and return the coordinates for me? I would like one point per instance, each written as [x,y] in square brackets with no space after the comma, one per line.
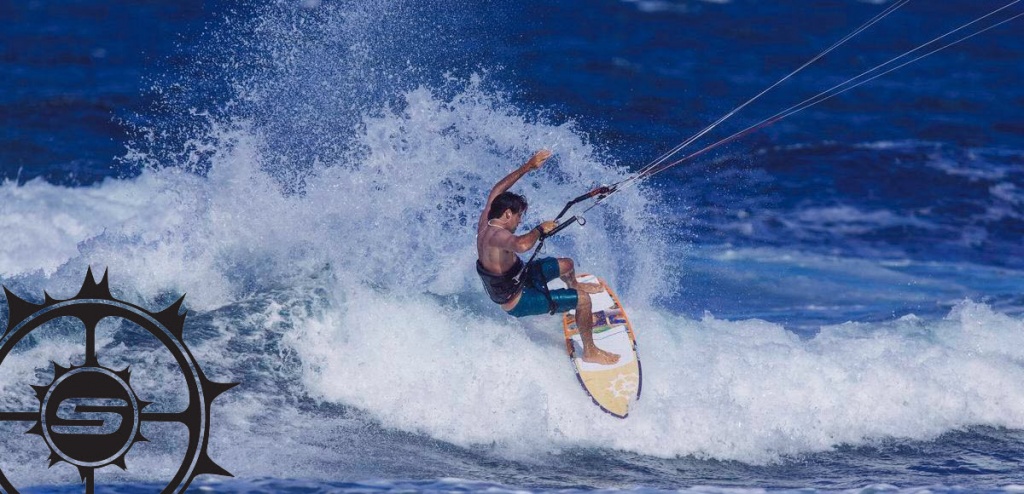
[510,203]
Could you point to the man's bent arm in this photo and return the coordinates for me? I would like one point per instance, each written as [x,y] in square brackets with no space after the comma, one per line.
[520,243]
[526,241]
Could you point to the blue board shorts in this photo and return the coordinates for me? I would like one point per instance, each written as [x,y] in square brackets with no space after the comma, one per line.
[533,302]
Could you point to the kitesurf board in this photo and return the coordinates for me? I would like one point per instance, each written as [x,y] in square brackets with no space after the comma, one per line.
[612,387]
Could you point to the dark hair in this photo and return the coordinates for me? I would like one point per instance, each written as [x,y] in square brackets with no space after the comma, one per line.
[506,200]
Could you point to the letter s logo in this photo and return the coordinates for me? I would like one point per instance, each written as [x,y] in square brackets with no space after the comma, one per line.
[89,410]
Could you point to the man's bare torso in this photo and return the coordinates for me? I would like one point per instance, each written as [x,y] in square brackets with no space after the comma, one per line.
[494,259]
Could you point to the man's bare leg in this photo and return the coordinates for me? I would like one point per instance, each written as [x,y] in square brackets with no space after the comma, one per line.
[567,272]
[584,313]
[585,324]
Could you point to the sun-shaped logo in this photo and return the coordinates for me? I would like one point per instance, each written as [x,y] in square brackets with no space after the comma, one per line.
[89,415]
[624,385]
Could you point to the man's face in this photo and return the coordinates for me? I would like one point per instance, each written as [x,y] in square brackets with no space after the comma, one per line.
[516,218]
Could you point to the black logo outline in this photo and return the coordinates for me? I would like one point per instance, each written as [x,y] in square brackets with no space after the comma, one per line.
[92,303]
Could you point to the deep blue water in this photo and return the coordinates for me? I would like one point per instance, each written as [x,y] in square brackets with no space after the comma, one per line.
[833,302]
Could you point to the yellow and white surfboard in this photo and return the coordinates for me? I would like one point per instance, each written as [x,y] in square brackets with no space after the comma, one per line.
[612,387]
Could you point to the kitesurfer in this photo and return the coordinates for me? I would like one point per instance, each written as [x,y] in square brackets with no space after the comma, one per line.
[522,290]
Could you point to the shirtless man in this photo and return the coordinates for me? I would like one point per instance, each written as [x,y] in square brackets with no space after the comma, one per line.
[502,272]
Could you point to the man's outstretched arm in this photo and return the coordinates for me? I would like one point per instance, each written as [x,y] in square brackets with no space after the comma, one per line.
[506,183]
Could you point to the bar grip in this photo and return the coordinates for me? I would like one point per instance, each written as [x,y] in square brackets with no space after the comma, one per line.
[560,227]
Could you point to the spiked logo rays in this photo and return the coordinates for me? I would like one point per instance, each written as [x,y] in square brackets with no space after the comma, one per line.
[89,415]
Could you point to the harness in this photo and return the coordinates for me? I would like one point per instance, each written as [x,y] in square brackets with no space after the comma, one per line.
[501,288]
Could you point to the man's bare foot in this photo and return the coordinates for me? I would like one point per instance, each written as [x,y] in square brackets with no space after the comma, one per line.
[589,287]
[599,356]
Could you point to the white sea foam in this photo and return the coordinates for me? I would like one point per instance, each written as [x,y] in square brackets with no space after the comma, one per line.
[743,390]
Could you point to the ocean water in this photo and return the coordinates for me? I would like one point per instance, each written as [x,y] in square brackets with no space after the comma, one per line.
[832,303]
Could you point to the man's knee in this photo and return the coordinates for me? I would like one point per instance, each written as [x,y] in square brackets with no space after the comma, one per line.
[565,265]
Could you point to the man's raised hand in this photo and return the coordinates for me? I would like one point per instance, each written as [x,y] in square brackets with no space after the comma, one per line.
[538,159]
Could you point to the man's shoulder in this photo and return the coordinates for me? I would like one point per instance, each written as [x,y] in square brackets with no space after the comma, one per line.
[495,233]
